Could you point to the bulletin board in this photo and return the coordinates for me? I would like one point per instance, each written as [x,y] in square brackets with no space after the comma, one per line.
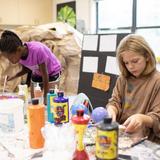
[99,69]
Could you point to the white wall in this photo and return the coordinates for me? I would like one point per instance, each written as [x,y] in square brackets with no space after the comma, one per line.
[34,12]
[25,12]
[85,11]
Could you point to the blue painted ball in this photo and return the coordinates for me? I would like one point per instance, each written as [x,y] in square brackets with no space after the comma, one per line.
[75,107]
[98,114]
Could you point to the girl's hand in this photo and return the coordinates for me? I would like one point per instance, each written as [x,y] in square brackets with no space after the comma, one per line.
[112,112]
[134,123]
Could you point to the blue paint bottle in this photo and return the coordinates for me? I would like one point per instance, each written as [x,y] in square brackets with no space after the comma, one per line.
[50,99]
[60,108]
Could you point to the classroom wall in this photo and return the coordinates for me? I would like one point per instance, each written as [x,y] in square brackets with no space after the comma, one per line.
[25,12]
[85,12]
[35,12]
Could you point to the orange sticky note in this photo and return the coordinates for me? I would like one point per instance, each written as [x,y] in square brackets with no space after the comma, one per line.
[101,81]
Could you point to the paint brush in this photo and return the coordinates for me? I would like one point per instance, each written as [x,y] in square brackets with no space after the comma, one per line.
[134,144]
[4,84]
[139,142]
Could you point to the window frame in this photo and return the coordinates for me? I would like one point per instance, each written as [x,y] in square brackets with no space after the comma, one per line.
[133,27]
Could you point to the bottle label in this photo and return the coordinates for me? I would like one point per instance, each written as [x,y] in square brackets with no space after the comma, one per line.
[7,122]
[50,100]
[80,131]
[60,112]
[107,144]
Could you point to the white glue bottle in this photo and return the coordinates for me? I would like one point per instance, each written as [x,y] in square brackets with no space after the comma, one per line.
[23,94]
[38,93]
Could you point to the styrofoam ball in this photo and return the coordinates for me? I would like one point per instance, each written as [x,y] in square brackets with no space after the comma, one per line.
[75,107]
[98,114]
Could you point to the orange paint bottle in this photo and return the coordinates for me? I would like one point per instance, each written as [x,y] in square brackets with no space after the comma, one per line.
[36,120]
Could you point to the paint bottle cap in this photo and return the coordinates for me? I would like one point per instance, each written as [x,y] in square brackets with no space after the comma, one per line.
[80,118]
[51,91]
[23,83]
[35,101]
[107,120]
[60,94]
[80,112]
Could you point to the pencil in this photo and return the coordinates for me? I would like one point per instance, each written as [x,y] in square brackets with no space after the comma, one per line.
[140,141]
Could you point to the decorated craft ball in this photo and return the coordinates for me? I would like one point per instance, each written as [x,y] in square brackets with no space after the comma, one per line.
[75,107]
[98,114]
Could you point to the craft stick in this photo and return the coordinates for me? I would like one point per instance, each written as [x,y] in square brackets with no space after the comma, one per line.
[4,84]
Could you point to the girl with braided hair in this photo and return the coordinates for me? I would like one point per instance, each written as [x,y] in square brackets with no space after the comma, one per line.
[34,57]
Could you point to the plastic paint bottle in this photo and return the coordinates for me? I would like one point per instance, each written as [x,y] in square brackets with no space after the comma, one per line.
[24,87]
[107,140]
[36,120]
[50,99]
[38,93]
[23,94]
[60,109]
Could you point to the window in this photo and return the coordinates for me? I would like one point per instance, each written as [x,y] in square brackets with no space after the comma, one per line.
[148,13]
[114,15]
[131,16]
[148,22]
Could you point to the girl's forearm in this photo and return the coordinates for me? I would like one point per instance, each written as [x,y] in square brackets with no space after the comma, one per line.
[113,108]
[112,111]
[22,72]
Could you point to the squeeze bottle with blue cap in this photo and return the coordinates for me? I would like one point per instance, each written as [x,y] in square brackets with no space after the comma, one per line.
[50,99]
[60,108]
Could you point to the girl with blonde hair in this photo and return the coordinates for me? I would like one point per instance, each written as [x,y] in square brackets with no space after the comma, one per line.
[135,99]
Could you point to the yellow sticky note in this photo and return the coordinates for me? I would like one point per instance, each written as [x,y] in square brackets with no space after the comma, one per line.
[101,81]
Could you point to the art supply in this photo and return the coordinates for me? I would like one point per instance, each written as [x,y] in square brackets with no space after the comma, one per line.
[24,88]
[139,141]
[36,120]
[11,115]
[80,122]
[60,108]
[107,140]
[4,84]
[56,90]
[75,107]
[38,93]
[98,114]
[50,99]
[23,94]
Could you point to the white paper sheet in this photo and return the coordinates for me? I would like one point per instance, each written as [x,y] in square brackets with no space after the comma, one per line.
[90,64]
[108,43]
[112,66]
[90,42]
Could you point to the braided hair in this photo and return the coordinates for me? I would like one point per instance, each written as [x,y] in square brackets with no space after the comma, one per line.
[9,42]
